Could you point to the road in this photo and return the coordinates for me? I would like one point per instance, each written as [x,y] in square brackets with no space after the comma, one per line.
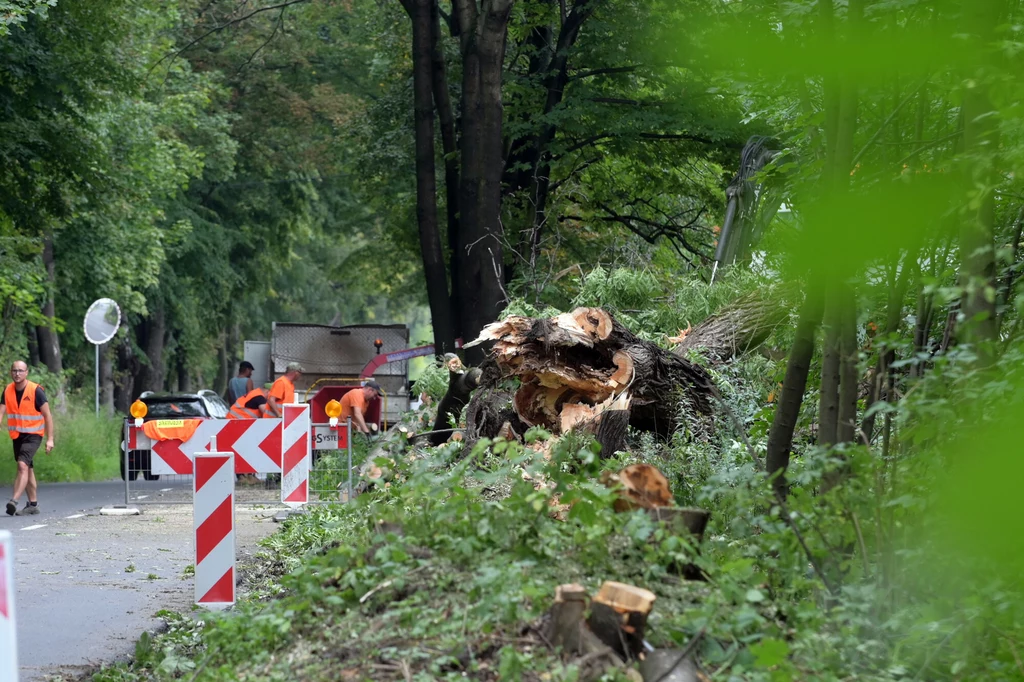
[87,585]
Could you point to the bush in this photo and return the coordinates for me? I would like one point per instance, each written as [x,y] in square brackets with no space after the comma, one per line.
[86,448]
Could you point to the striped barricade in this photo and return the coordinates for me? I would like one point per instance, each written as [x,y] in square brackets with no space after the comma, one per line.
[297,448]
[213,517]
[255,443]
[8,628]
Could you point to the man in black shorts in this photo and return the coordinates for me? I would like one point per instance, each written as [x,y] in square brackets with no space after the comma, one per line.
[28,420]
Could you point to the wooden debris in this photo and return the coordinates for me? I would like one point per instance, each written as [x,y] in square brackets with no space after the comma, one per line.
[618,616]
[641,486]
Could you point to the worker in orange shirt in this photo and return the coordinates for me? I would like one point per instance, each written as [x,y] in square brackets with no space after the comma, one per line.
[353,404]
[283,390]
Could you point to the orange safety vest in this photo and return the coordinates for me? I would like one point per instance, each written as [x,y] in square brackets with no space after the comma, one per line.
[23,417]
[240,411]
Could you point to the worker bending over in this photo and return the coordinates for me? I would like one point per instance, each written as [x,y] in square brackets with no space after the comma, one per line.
[353,404]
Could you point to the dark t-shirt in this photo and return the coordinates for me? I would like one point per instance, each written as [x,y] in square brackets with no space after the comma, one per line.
[255,403]
[40,397]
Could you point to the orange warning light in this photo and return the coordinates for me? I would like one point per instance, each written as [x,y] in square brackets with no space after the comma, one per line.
[138,409]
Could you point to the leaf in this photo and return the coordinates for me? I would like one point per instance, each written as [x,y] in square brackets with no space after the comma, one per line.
[755,595]
[769,652]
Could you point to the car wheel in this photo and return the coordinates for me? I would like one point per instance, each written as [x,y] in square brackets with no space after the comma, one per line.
[149,476]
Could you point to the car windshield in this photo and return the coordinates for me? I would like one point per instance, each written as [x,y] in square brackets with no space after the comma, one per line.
[175,409]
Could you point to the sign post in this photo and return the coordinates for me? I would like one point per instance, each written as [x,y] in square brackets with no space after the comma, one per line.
[102,321]
[8,628]
[213,513]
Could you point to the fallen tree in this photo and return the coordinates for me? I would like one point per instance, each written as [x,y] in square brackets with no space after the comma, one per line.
[584,370]
[740,327]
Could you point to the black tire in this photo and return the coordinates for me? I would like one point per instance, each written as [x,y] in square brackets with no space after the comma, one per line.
[150,476]
[132,475]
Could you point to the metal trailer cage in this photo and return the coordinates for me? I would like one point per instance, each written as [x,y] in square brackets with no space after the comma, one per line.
[338,355]
[330,476]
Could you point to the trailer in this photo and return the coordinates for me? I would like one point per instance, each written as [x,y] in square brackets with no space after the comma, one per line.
[334,359]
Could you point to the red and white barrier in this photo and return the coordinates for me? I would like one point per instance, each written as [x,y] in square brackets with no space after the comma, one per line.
[8,628]
[256,444]
[297,448]
[213,517]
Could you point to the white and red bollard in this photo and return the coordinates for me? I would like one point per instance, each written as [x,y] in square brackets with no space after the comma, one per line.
[213,517]
[8,627]
[296,450]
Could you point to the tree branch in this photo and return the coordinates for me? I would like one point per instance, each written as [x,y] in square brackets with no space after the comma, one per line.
[215,29]
[601,72]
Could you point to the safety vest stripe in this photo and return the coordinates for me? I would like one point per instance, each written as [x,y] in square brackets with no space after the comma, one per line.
[28,419]
[22,429]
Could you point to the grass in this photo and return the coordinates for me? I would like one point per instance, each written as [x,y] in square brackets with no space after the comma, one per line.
[86,448]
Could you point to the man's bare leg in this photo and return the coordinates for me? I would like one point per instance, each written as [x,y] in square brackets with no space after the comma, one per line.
[21,480]
[31,487]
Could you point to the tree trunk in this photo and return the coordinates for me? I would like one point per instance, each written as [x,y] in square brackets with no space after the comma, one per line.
[152,374]
[184,376]
[828,395]
[780,437]
[460,385]
[421,12]
[224,373]
[481,242]
[981,140]
[740,327]
[882,383]
[106,380]
[124,377]
[32,342]
[449,148]
[848,369]
[49,342]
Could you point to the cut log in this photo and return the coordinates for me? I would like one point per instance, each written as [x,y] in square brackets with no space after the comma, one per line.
[618,616]
[596,322]
[641,486]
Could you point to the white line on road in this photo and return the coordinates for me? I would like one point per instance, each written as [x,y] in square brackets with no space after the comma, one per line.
[74,516]
[39,525]
[165,490]
[141,497]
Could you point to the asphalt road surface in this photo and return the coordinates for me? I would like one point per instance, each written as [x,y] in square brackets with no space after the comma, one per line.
[88,585]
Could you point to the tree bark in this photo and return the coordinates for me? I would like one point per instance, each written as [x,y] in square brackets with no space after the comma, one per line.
[449,148]
[151,376]
[224,373]
[32,341]
[848,369]
[124,377]
[49,341]
[480,244]
[422,13]
[460,386]
[780,437]
[828,395]
[981,140]
[106,380]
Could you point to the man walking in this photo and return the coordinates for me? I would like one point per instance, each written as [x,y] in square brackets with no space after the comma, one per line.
[283,390]
[28,413]
[241,384]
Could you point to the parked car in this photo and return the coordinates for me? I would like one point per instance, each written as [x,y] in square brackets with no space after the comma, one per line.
[202,405]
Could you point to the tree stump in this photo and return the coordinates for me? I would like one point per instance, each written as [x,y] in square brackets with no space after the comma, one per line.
[618,616]
[460,385]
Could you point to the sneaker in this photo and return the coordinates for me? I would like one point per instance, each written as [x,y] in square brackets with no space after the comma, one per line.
[12,507]
[28,510]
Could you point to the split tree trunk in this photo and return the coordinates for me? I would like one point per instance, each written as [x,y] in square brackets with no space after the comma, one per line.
[460,385]
[618,616]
